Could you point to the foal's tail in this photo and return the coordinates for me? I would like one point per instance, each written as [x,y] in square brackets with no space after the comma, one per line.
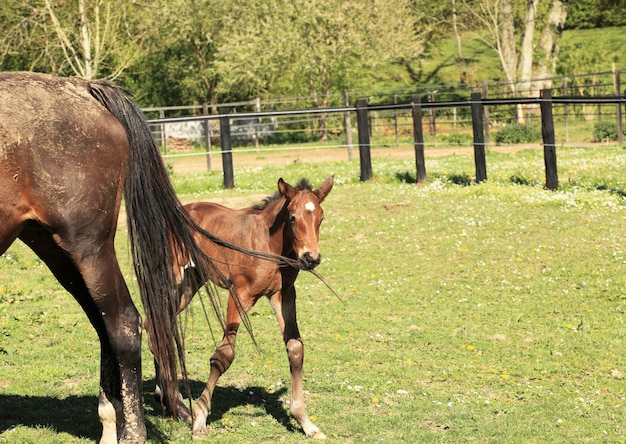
[160,231]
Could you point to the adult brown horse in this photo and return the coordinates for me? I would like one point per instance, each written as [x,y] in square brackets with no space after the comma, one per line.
[286,224]
[69,149]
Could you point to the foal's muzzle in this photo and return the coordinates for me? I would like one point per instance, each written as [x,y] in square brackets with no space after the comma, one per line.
[309,262]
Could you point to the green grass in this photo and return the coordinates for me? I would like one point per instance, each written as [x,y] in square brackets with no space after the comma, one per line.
[470,313]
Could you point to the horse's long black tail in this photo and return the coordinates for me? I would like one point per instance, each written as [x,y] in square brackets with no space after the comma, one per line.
[160,232]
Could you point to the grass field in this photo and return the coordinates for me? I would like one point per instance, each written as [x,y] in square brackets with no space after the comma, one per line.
[471,313]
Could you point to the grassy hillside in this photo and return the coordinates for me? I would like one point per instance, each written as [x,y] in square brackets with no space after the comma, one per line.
[592,50]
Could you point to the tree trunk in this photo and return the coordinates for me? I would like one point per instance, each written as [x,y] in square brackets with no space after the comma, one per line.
[526,50]
[85,42]
[525,68]
[547,46]
[455,27]
[506,42]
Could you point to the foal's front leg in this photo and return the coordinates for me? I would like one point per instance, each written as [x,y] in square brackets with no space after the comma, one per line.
[284,305]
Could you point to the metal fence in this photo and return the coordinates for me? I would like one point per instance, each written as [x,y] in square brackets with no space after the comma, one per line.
[428,120]
[445,124]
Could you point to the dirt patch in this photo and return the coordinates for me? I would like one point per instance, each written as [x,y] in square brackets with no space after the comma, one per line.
[179,145]
[182,164]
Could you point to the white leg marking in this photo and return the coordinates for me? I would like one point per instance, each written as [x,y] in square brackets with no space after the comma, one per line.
[108,416]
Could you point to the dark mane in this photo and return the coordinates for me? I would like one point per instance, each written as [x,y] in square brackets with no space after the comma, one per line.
[302,185]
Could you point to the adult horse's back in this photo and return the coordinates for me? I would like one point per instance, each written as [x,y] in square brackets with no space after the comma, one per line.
[69,149]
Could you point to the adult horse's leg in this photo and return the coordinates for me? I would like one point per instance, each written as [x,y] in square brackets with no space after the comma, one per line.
[284,305]
[93,277]
[221,360]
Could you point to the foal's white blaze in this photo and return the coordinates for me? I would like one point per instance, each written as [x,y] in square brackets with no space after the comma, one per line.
[309,206]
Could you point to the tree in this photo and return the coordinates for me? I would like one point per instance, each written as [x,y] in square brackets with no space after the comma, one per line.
[313,47]
[89,38]
[547,44]
[501,19]
[178,64]
[16,35]
[337,40]
[254,60]
[585,14]
[304,47]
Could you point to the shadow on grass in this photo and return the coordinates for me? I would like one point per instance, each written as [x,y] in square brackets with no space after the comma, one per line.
[78,415]
[74,415]
[613,190]
[228,398]
[457,179]
[405,177]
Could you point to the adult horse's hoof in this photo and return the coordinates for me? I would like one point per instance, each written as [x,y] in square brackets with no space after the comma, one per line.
[183,414]
[197,436]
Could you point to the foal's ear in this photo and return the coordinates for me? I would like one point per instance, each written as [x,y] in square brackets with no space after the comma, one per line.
[286,190]
[324,189]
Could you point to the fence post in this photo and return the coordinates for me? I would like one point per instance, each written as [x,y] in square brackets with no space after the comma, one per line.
[566,110]
[257,124]
[486,121]
[207,137]
[227,152]
[163,134]
[364,139]
[395,119]
[549,146]
[431,115]
[346,123]
[479,137]
[618,109]
[418,139]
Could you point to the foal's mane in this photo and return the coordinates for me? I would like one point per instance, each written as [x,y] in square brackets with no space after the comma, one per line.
[301,186]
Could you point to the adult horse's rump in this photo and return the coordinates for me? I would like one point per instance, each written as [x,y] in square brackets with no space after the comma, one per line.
[69,149]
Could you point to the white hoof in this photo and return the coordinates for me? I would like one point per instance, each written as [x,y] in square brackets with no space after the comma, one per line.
[318,435]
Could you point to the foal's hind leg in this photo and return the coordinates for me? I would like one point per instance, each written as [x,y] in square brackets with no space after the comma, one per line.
[220,362]
[284,305]
[182,412]
[97,284]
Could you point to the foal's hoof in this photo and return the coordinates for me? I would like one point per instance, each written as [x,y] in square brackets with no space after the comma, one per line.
[318,435]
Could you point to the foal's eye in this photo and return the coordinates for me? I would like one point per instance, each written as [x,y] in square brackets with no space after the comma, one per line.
[292,219]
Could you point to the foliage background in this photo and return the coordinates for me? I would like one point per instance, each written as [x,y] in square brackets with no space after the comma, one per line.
[183,52]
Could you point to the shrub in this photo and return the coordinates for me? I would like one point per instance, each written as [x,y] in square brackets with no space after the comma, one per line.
[604,130]
[518,134]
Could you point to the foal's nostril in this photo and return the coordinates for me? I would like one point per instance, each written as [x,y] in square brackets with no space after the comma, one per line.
[309,261]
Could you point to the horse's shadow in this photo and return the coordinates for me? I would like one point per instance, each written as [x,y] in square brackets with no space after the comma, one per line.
[229,397]
[78,415]
[74,415]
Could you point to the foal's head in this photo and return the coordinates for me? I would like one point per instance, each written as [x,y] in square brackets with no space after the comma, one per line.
[304,216]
